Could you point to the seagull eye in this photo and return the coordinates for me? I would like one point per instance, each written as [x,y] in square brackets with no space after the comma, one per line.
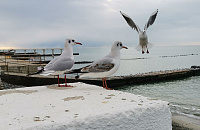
[69,41]
[120,44]
[117,44]
[73,41]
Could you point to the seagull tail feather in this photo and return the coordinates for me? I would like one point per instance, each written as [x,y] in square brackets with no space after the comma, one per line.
[73,71]
[38,72]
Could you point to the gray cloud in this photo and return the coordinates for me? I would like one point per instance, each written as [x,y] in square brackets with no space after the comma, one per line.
[43,23]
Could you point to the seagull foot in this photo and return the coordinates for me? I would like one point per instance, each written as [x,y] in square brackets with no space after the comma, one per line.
[142,52]
[65,85]
[108,88]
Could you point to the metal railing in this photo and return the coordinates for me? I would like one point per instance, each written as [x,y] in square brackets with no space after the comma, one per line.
[20,65]
[27,62]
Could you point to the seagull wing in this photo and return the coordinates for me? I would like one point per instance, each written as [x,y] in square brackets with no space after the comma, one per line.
[151,19]
[50,64]
[60,64]
[101,65]
[130,22]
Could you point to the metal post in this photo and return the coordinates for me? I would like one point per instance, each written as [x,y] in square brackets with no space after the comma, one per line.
[43,53]
[7,67]
[61,51]
[29,59]
[52,53]
[28,70]
[5,60]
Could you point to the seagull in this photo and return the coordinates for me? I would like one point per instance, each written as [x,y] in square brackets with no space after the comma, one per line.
[61,63]
[143,39]
[104,67]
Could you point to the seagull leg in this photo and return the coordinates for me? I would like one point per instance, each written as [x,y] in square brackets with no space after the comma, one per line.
[142,50]
[106,87]
[147,50]
[58,81]
[103,82]
[66,83]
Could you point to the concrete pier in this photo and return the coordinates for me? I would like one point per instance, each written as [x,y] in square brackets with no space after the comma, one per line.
[113,82]
[81,107]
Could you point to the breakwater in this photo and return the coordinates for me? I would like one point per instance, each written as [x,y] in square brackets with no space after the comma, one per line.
[113,82]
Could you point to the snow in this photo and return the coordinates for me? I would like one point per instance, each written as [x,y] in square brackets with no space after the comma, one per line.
[80,107]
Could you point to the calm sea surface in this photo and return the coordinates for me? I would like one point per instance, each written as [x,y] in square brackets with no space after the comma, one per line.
[183,95]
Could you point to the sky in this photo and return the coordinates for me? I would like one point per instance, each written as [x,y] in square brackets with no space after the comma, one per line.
[96,23]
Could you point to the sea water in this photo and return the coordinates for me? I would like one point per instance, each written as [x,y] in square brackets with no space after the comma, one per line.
[183,95]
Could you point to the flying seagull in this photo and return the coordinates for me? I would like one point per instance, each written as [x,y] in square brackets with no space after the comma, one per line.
[104,67]
[61,63]
[143,39]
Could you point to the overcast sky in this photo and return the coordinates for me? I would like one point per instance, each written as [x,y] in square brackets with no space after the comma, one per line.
[47,23]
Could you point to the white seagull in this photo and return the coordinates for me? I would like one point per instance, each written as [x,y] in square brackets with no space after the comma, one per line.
[143,39]
[61,63]
[104,67]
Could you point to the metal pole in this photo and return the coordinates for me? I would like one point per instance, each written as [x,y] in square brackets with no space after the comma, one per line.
[52,53]
[5,60]
[28,70]
[44,53]
[7,67]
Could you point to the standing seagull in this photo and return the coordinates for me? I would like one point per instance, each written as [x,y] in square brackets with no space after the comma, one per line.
[104,67]
[143,44]
[61,63]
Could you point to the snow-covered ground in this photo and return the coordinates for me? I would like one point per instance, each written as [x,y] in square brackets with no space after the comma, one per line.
[80,107]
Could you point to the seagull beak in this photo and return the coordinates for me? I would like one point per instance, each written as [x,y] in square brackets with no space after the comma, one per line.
[78,43]
[124,47]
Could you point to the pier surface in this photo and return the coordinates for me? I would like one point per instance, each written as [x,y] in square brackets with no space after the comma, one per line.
[113,82]
[82,106]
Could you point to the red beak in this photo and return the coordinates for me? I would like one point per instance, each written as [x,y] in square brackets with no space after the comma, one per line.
[78,43]
[125,47]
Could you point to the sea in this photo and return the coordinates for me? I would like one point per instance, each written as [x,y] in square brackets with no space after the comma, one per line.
[183,95]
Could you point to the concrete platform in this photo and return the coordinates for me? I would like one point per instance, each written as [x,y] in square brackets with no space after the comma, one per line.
[113,81]
[82,107]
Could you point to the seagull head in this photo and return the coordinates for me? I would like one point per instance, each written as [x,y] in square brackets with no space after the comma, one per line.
[71,42]
[143,35]
[117,45]
[143,32]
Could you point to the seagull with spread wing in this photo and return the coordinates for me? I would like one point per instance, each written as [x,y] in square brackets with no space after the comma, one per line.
[144,45]
[104,67]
